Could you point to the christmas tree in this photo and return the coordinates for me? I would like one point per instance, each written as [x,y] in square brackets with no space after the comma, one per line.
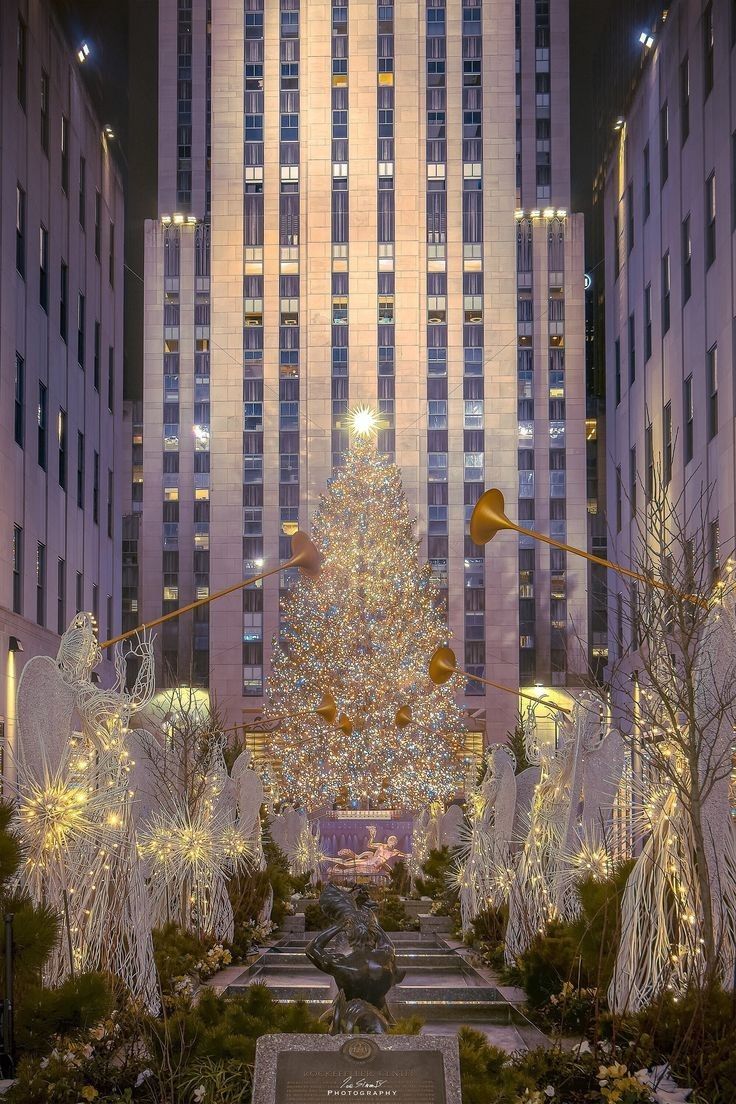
[362,631]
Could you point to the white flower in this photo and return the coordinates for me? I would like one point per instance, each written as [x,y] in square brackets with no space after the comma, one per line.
[199,1094]
[143,1076]
[549,1091]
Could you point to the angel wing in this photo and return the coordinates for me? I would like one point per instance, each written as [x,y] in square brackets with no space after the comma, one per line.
[45,706]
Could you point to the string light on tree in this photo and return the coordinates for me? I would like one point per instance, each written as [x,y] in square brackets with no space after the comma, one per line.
[361,632]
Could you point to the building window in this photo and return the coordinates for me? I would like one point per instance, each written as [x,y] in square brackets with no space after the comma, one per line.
[20,390]
[664,144]
[17,569]
[666,292]
[62,435]
[649,461]
[98,223]
[437,413]
[684,99]
[96,487]
[110,502]
[80,330]
[647,197]
[290,127]
[60,596]
[45,101]
[687,261]
[110,378]
[647,322]
[20,231]
[714,549]
[41,584]
[63,299]
[630,228]
[80,470]
[667,444]
[689,417]
[82,192]
[710,220]
[711,367]
[708,49]
[65,154]
[616,247]
[43,267]
[21,51]
[111,257]
[42,420]
[633,480]
[96,357]
[619,500]
[632,349]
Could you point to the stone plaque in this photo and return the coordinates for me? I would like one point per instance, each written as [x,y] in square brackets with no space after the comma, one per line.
[340,1069]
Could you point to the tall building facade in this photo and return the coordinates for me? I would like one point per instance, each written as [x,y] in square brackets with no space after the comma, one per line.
[670,213]
[344,202]
[61,319]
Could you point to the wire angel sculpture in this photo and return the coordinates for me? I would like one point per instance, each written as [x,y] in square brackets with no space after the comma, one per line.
[663,909]
[193,848]
[484,862]
[74,810]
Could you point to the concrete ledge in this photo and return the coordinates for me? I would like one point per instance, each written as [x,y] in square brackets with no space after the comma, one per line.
[432,925]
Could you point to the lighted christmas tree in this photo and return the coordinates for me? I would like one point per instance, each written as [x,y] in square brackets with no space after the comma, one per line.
[362,631]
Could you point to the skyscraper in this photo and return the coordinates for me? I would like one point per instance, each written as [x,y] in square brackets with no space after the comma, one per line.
[61,344]
[346,193]
[669,209]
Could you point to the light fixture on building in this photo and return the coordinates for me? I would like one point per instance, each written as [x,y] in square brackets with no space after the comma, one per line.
[562,212]
[178,218]
[83,53]
[646,40]
[108,131]
[519,213]
[14,644]
[549,212]
[192,219]
[618,125]
[535,213]
[166,220]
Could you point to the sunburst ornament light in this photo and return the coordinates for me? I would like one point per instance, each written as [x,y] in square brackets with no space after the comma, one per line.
[363,421]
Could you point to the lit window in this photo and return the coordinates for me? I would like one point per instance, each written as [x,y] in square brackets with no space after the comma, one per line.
[473,414]
[436,310]
[385,310]
[473,307]
[252,416]
[171,593]
[473,467]
[340,310]
[201,438]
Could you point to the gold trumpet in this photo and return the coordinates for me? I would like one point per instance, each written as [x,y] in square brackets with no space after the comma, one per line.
[327,710]
[345,724]
[489,517]
[443,665]
[403,716]
[305,556]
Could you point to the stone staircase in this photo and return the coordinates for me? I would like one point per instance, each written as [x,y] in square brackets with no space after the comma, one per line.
[439,983]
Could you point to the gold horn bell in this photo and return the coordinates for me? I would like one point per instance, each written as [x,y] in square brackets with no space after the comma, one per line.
[345,724]
[305,556]
[489,517]
[442,665]
[403,716]
[327,709]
